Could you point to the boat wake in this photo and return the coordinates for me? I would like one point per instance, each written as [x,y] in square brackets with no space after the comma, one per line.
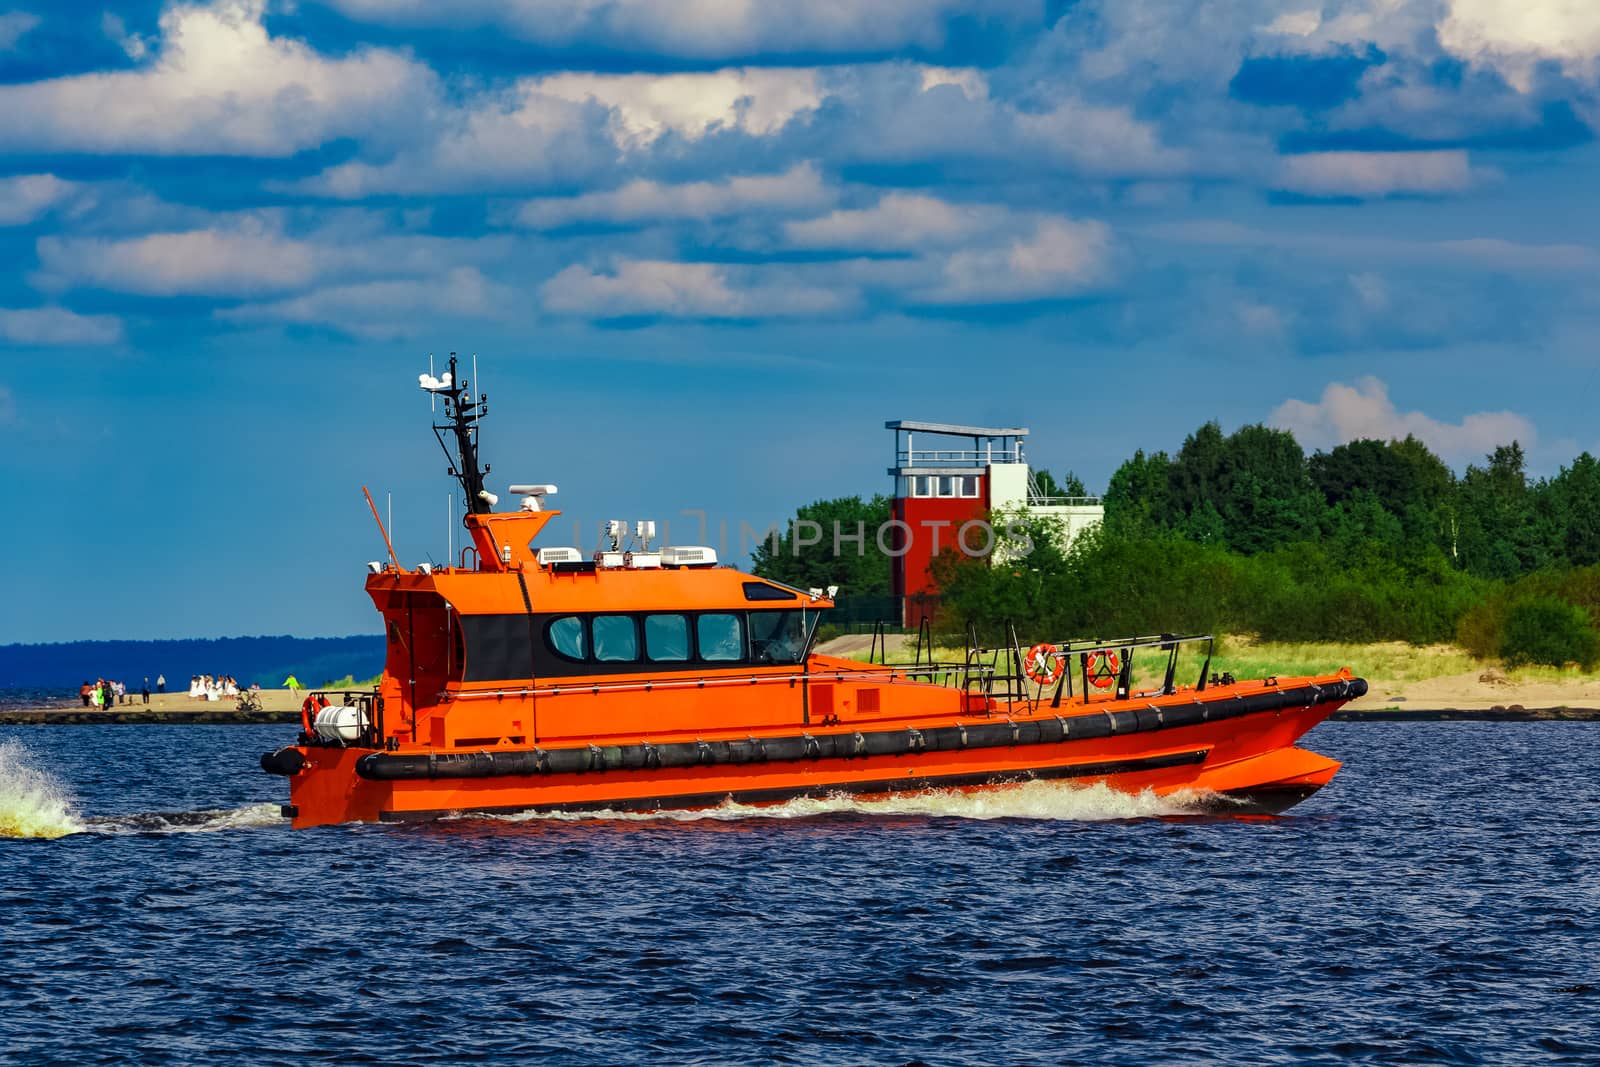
[1043,801]
[34,804]
[187,822]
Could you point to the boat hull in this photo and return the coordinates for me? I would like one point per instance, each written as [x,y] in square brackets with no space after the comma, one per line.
[1235,749]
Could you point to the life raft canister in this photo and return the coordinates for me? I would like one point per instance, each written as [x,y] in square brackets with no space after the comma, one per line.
[1102,667]
[1044,664]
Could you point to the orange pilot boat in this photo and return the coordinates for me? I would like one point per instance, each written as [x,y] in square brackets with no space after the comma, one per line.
[530,679]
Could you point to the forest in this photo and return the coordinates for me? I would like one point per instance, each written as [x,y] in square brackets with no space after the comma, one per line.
[1244,532]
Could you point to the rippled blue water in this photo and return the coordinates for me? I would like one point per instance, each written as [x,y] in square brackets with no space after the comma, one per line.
[1439,903]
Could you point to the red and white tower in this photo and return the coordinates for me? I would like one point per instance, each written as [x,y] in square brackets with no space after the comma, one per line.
[948,480]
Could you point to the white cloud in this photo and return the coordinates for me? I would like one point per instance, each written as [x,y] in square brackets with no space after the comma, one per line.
[386,309]
[1375,174]
[1493,253]
[218,84]
[27,196]
[14,25]
[898,222]
[58,326]
[798,189]
[644,107]
[685,290]
[1060,258]
[575,128]
[1100,140]
[240,261]
[1514,35]
[1364,410]
[507,141]
[8,408]
[701,29]
[246,256]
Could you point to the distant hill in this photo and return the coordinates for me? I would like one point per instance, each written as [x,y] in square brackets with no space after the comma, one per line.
[265,661]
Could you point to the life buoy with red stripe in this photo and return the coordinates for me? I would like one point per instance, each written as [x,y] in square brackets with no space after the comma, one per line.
[1044,664]
[1103,667]
[308,711]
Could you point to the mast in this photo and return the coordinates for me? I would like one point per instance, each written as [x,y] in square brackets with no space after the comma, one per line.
[461,415]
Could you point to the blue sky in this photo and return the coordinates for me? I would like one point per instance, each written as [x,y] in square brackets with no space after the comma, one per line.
[703,250]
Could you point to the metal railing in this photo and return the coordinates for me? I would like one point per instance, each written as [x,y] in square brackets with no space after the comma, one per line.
[917,457]
[1062,501]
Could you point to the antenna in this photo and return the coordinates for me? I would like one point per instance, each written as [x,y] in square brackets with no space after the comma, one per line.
[462,413]
[385,533]
[389,506]
[433,398]
[450,529]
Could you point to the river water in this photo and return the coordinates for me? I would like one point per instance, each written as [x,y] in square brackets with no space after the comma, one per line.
[1440,902]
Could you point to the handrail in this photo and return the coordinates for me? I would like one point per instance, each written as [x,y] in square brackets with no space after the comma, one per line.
[1063,501]
[912,457]
[910,674]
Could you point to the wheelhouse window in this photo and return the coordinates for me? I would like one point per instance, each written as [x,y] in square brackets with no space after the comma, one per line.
[969,485]
[720,637]
[921,485]
[666,638]
[777,636]
[565,636]
[615,638]
[763,591]
[947,485]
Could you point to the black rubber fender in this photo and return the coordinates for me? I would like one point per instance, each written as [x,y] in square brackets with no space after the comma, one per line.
[287,761]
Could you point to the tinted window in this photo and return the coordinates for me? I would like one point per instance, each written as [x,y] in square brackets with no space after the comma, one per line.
[566,636]
[615,639]
[777,636]
[763,591]
[666,638]
[496,647]
[721,637]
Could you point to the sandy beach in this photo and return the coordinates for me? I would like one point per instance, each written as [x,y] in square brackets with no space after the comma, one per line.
[1400,679]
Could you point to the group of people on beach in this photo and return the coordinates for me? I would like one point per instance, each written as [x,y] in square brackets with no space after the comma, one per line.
[213,687]
[103,693]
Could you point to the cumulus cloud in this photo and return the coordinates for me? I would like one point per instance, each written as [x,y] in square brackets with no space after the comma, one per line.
[384,310]
[511,141]
[247,256]
[1514,35]
[703,29]
[799,189]
[897,222]
[28,196]
[1363,410]
[1376,174]
[577,127]
[644,107]
[14,25]
[1493,253]
[1060,258]
[218,84]
[685,291]
[58,326]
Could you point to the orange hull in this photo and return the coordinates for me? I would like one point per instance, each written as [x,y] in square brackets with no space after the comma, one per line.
[648,678]
[1244,756]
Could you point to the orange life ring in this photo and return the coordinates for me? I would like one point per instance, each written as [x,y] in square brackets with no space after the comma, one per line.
[309,709]
[1102,667]
[1044,664]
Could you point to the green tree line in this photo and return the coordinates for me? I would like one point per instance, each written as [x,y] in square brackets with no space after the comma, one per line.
[1371,540]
